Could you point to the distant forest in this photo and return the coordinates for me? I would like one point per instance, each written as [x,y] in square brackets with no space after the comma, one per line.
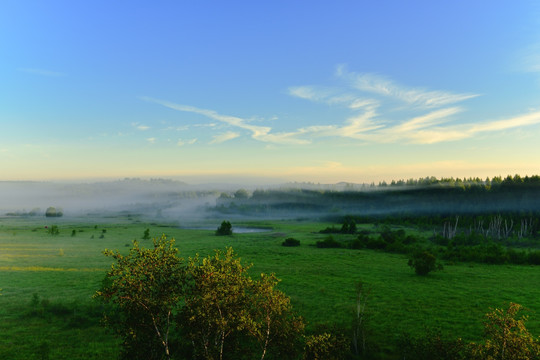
[424,196]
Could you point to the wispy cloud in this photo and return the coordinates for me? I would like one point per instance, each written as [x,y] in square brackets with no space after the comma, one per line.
[261,133]
[330,96]
[42,72]
[421,116]
[380,85]
[369,94]
[140,126]
[217,139]
[431,135]
[151,140]
[186,142]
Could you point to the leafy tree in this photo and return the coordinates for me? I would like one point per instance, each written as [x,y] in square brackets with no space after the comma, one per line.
[53,212]
[507,337]
[216,303]
[273,324]
[227,314]
[50,212]
[326,346]
[424,262]
[146,287]
[224,196]
[349,226]
[241,194]
[224,229]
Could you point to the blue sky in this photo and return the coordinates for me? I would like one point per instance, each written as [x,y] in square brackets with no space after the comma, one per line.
[316,91]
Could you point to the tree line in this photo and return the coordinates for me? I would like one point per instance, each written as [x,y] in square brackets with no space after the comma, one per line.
[422,196]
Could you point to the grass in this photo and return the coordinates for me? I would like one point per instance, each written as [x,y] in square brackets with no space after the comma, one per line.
[66,270]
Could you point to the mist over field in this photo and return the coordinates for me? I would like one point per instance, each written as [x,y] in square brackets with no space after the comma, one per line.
[177,201]
[153,198]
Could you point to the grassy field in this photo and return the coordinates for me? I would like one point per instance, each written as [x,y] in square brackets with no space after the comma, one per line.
[64,271]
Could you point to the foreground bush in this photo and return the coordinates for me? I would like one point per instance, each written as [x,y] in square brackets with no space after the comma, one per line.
[221,312]
[507,337]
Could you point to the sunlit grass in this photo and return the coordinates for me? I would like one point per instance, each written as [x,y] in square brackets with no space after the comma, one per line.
[41,268]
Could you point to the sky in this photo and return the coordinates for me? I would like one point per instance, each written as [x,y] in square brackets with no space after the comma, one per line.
[306,91]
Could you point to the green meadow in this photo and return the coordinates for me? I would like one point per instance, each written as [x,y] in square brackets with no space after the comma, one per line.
[47,282]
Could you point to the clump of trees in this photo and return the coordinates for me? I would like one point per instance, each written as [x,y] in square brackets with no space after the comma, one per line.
[224,229]
[349,226]
[53,212]
[209,308]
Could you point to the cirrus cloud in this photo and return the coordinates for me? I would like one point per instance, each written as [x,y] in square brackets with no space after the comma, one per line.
[420,117]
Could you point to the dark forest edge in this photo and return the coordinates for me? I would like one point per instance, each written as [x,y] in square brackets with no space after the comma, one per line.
[444,197]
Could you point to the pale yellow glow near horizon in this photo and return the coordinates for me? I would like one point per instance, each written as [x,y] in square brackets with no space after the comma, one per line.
[330,172]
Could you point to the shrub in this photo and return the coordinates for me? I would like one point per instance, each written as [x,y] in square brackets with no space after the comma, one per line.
[534,258]
[224,229]
[326,346]
[433,346]
[356,244]
[378,243]
[146,234]
[330,230]
[291,242]
[53,230]
[424,262]
[329,242]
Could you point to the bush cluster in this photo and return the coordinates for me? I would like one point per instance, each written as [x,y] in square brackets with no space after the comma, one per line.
[291,242]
